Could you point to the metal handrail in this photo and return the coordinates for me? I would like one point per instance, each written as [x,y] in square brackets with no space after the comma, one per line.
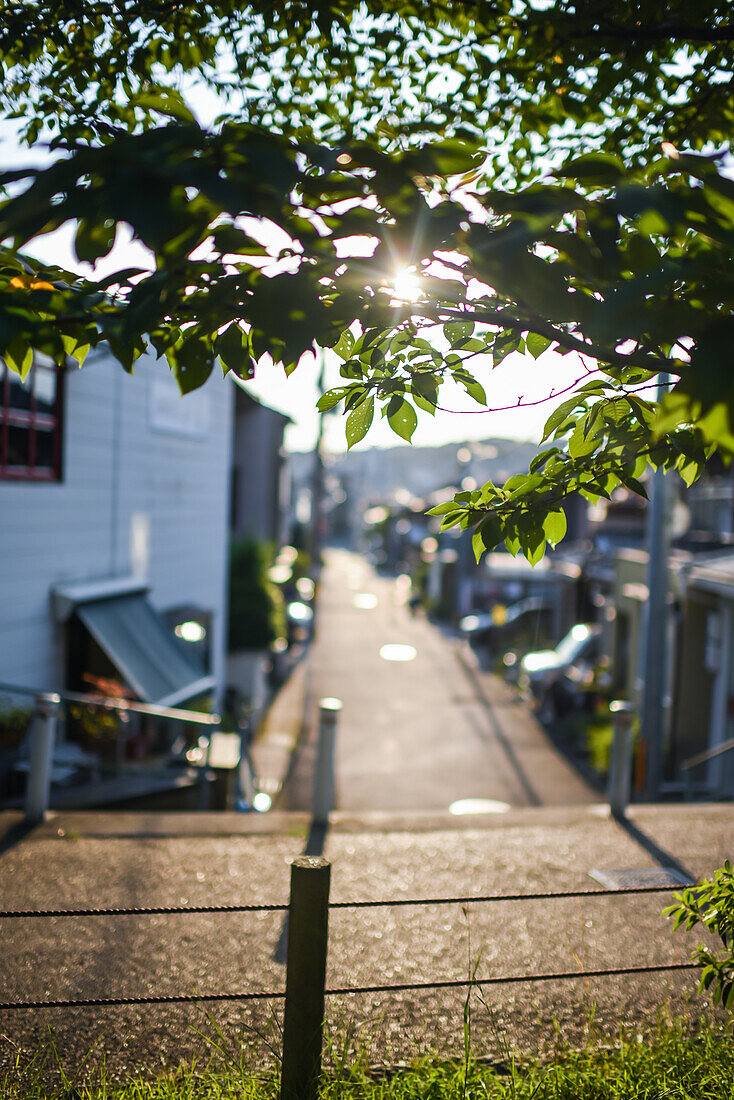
[702,757]
[108,703]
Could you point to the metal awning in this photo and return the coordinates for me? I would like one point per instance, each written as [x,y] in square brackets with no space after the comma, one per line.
[140,645]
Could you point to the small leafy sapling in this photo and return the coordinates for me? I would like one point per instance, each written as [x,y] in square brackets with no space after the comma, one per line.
[712,904]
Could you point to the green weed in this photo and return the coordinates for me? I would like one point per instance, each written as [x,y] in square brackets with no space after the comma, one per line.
[675,1062]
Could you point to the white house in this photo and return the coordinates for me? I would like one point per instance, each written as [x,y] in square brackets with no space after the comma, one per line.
[114,498]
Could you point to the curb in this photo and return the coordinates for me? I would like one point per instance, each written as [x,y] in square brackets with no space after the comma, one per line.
[281,729]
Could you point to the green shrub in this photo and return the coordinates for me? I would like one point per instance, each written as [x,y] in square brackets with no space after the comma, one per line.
[256,614]
[711,904]
[14,721]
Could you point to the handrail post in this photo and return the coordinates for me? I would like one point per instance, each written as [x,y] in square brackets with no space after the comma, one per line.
[305,983]
[323,786]
[43,737]
[620,764]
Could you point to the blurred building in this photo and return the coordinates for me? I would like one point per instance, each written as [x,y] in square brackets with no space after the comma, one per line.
[260,484]
[114,500]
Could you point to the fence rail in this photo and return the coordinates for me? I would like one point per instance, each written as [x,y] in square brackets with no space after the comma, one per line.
[37,751]
[709,754]
[106,702]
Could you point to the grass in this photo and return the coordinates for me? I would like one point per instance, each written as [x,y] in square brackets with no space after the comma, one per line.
[674,1062]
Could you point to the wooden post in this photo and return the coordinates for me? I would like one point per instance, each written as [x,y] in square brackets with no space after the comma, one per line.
[323,784]
[308,934]
[620,763]
[43,737]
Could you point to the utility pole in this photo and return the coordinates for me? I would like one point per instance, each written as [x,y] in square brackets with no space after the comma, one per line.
[654,664]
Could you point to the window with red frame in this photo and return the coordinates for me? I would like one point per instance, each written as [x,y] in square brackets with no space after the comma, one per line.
[31,422]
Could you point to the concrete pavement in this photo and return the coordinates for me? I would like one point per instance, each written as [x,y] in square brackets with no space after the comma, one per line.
[126,859]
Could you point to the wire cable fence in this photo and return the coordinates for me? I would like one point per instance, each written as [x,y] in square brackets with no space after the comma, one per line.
[339,991]
[346,990]
[382,903]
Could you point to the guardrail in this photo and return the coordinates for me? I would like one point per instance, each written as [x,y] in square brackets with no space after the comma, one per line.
[703,758]
[43,729]
[308,935]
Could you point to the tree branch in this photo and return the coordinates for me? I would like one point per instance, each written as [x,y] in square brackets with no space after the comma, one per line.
[660,32]
[565,339]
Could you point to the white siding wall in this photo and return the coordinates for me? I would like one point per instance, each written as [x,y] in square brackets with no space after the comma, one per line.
[121,475]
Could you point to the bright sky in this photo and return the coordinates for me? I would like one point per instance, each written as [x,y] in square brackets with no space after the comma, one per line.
[518,377]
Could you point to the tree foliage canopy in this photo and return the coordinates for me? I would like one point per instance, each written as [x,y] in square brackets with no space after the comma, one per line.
[555,174]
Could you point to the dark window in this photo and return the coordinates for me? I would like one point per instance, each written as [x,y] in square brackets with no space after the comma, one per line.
[31,422]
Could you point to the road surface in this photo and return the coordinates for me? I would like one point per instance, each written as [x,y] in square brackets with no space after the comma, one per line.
[423,733]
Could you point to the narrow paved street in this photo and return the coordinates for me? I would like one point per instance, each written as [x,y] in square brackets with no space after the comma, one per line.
[422,733]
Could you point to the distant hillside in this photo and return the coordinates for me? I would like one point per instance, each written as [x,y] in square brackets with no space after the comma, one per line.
[376,474]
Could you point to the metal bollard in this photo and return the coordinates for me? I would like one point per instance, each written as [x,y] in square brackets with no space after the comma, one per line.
[323,785]
[620,764]
[305,982]
[245,786]
[43,737]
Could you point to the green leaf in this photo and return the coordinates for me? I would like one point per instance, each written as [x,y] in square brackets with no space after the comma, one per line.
[442,509]
[94,239]
[601,168]
[402,419]
[536,344]
[558,417]
[19,356]
[424,390]
[454,157]
[330,399]
[165,101]
[344,345]
[535,553]
[487,535]
[191,362]
[232,348]
[690,471]
[74,349]
[359,421]
[474,389]
[554,526]
[633,484]
[458,331]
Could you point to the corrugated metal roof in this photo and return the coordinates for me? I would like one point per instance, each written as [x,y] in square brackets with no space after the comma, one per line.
[139,644]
